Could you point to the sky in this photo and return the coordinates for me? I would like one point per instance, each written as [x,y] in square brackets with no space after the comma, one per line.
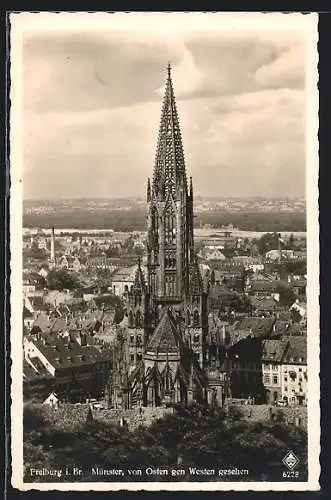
[92,103]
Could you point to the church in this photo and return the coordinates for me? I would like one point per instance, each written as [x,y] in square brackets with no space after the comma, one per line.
[167,316]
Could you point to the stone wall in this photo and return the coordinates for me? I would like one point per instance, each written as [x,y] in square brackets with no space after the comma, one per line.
[296,415]
[68,416]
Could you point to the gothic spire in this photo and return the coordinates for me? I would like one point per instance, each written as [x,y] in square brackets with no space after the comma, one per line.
[195,279]
[169,168]
[139,284]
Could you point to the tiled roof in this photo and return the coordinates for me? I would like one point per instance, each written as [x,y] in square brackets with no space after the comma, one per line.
[124,274]
[105,300]
[295,329]
[38,303]
[220,291]
[280,327]
[166,336]
[26,313]
[257,326]
[273,350]
[42,322]
[264,304]
[64,353]
[263,286]
[297,351]
[299,283]
[219,275]
[284,316]
[28,371]
[87,321]
[235,336]
[37,371]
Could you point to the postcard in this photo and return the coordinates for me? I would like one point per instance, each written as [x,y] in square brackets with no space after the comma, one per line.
[164,251]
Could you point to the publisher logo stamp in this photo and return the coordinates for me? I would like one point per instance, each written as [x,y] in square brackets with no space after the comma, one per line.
[291,460]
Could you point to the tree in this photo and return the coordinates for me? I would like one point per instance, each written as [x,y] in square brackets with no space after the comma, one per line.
[295,316]
[223,299]
[38,280]
[61,279]
[37,253]
[200,436]
[286,295]
[296,267]
[290,242]
[269,241]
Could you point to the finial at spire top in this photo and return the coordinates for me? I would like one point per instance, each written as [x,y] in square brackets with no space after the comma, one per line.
[169,69]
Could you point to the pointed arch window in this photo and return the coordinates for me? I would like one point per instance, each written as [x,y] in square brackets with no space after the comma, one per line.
[188,318]
[130,318]
[138,318]
[137,300]
[196,319]
[170,226]
[155,223]
[167,380]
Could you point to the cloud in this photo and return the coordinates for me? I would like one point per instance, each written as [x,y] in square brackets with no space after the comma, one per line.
[82,73]
[286,70]
[92,105]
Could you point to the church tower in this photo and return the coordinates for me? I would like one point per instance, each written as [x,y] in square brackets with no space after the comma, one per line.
[170,210]
[173,300]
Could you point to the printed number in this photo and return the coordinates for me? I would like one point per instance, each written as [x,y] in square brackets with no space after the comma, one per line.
[290,474]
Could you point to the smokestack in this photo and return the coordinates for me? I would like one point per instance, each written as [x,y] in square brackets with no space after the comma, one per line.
[52,261]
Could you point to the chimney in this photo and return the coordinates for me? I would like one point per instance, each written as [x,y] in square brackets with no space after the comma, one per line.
[52,260]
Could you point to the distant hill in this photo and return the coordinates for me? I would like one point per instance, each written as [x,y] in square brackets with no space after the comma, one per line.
[130,215]
[202,205]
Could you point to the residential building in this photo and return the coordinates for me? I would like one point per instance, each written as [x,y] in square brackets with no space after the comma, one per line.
[284,368]
[264,306]
[276,255]
[70,262]
[122,280]
[272,356]
[78,369]
[28,318]
[241,370]
[294,380]
[300,307]
[35,305]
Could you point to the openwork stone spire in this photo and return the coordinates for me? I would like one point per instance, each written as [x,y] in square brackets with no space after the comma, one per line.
[195,279]
[169,169]
[139,286]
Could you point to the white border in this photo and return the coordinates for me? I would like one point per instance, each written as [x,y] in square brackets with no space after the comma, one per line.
[166,24]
